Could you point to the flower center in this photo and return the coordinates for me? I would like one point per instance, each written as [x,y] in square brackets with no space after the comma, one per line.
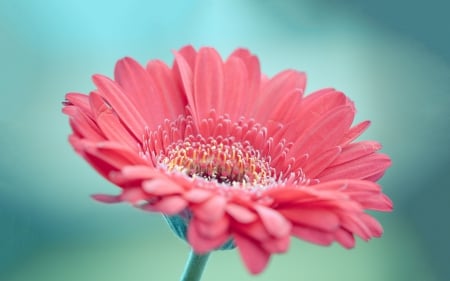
[224,161]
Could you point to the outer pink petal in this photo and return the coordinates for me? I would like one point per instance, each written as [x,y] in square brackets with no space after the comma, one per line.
[287,196]
[313,107]
[81,101]
[313,235]
[355,132]
[189,54]
[320,219]
[106,198]
[278,245]
[137,84]
[197,195]
[83,125]
[380,202]
[161,187]
[115,154]
[208,81]
[121,104]
[319,163]
[286,88]
[255,230]
[170,205]
[212,229]
[135,173]
[211,210]
[101,166]
[240,213]
[375,227]
[366,193]
[254,256]
[183,74]
[110,124]
[324,133]
[170,98]
[356,150]
[360,168]
[204,244]
[130,195]
[359,225]
[273,221]
[252,75]
[345,238]
[236,87]
[134,195]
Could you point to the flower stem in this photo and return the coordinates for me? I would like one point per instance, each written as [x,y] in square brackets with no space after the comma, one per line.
[194,267]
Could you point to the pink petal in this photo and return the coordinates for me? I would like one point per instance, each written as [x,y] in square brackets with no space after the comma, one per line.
[189,54]
[321,219]
[278,245]
[291,195]
[355,132]
[235,86]
[357,169]
[375,177]
[202,244]
[313,235]
[83,124]
[197,195]
[106,198]
[240,213]
[356,224]
[213,229]
[208,81]
[211,210]
[356,150]
[183,71]
[137,84]
[287,107]
[313,107]
[121,104]
[170,98]
[349,185]
[170,205]
[161,187]
[135,173]
[255,230]
[345,238]
[133,195]
[253,75]
[273,221]
[115,154]
[253,255]
[322,161]
[80,101]
[325,133]
[110,124]
[378,201]
[103,167]
[286,88]
[375,227]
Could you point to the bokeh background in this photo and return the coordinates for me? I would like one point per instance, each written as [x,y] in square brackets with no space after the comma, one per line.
[391,57]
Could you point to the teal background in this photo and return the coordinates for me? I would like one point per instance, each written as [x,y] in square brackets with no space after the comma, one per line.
[391,58]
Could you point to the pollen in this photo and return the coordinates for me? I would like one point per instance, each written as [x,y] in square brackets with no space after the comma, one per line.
[224,161]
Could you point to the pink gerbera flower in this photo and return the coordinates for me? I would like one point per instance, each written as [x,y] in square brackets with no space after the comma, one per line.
[231,156]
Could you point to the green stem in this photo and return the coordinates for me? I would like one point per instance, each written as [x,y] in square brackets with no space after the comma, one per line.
[194,267]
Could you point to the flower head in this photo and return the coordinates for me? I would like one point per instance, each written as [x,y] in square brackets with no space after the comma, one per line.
[236,156]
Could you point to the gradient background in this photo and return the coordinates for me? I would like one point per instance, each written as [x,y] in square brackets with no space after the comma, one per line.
[392,59]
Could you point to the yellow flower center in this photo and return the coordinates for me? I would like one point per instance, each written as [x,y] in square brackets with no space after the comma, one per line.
[222,161]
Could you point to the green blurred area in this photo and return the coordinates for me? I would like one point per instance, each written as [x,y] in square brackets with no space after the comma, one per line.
[394,64]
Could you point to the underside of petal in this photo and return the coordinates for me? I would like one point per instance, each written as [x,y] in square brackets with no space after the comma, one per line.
[254,256]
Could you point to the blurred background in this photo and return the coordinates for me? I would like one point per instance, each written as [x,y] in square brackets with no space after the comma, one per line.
[391,57]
